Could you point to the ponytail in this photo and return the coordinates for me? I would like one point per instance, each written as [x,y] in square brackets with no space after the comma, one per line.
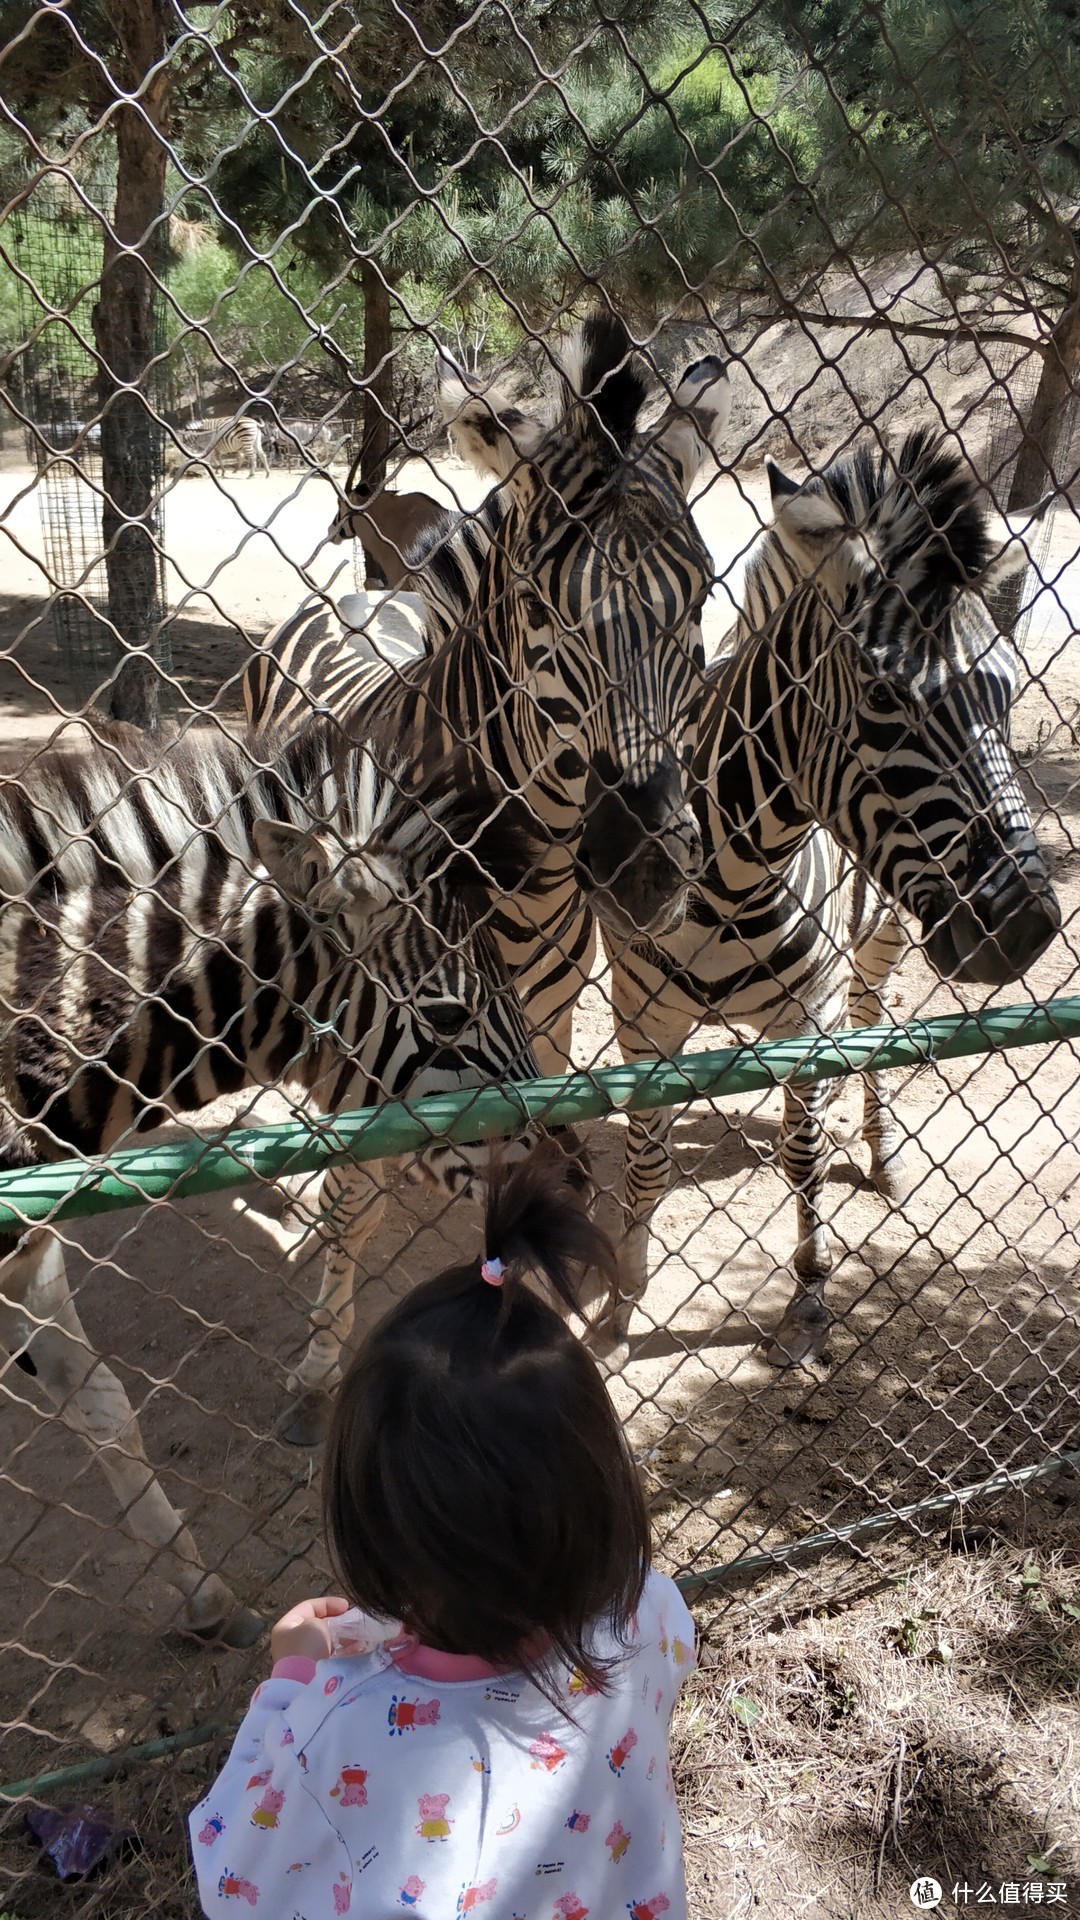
[536,1225]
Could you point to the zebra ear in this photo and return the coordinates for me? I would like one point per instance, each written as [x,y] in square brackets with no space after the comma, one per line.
[808,521]
[1011,537]
[696,422]
[294,857]
[490,432]
[780,486]
[332,886]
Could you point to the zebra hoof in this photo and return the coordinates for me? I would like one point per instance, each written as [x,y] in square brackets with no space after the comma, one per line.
[801,1335]
[306,1421]
[239,1631]
[891,1179]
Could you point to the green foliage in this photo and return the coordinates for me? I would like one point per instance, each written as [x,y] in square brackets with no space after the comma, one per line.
[695,149]
[247,320]
[948,125]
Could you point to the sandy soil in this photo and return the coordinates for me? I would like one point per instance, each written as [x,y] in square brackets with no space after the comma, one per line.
[955,1352]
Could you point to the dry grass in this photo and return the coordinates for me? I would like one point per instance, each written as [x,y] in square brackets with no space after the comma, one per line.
[920,1721]
[150,1876]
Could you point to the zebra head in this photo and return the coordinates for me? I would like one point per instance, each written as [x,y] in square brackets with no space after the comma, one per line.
[900,686]
[591,599]
[401,879]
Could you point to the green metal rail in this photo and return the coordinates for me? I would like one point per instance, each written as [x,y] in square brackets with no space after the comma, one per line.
[308,1144]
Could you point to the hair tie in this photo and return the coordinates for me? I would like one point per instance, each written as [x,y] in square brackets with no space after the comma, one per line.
[492,1272]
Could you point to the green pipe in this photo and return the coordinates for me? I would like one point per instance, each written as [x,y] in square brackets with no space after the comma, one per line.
[750,1567]
[755,1566]
[136,1175]
[105,1764]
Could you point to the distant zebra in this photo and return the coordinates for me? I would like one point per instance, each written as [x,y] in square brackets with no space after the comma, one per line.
[211,442]
[242,441]
[851,757]
[234,915]
[303,443]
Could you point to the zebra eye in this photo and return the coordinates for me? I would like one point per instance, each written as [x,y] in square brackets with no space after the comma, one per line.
[882,698]
[446,1017]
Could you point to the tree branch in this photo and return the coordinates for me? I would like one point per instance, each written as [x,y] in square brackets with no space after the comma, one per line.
[884,322]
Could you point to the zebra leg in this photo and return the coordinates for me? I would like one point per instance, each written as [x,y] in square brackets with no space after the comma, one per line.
[647,1173]
[874,962]
[804,1156]
[352,1201]
[39,1324]
[647,1162]
[550,986]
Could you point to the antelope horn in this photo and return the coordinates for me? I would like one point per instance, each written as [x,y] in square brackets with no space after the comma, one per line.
[447,368]
[354,469]
[358,462]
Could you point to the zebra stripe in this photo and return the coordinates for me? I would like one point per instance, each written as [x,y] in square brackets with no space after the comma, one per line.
[242,442]
[307,665]
[863,596]
[172,932]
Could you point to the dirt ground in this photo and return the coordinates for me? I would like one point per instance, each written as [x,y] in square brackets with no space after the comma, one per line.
[901,1711]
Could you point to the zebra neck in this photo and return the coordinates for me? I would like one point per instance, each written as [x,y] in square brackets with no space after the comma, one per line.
[470,695]
[754,752]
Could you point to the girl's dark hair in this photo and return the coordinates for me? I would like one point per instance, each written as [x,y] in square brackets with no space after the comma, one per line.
[477,1483]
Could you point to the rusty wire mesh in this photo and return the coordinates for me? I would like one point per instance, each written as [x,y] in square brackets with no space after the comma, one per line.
[871,216]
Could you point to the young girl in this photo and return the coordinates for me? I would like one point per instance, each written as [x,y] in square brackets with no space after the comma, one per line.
[495,1741]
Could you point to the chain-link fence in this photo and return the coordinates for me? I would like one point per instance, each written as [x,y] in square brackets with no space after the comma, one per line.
[661,744]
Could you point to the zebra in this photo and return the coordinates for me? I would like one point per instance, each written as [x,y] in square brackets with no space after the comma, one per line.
[851,763]
[239,914]
[571,668]
[313,663]
[242,442]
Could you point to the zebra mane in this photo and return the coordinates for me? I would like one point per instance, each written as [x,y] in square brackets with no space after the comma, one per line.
[604,384]
[454,818]
[921,510]
[131,806]
[449,560]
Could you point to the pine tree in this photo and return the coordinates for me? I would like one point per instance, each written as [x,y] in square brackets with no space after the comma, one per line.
[951,126]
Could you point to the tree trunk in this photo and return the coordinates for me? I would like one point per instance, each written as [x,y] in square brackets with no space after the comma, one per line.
[1047,437]
[378,437]
[1048,431]
[125,335]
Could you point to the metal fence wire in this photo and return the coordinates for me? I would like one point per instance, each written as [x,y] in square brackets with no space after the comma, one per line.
[532,538]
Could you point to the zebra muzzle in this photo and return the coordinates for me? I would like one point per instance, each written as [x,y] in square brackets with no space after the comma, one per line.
[991,934]
[640,850]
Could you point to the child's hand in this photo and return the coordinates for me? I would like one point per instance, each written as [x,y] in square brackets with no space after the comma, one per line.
[304,1630]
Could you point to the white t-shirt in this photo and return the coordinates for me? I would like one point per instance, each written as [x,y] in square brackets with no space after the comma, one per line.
[385,1787]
